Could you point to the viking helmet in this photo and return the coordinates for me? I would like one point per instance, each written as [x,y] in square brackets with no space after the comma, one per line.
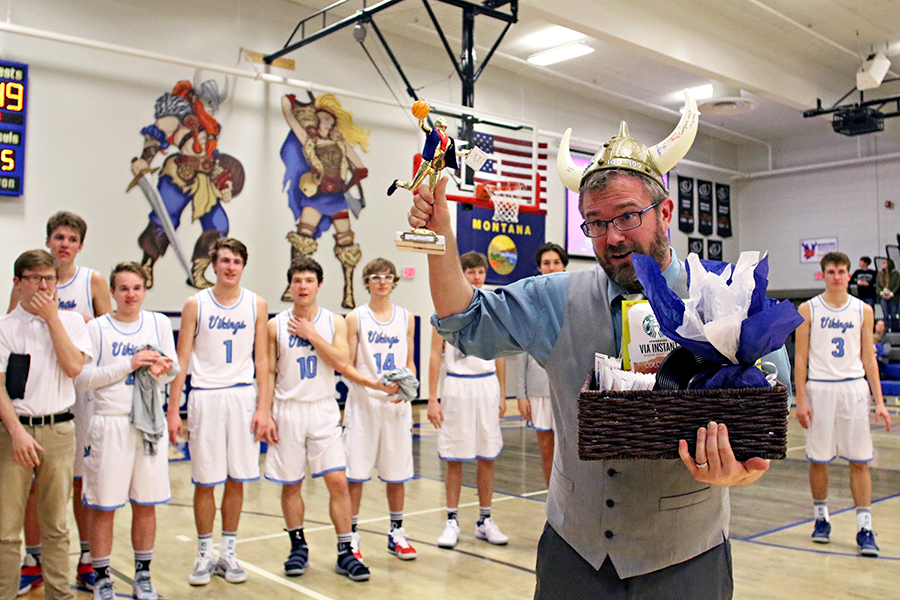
[625,152]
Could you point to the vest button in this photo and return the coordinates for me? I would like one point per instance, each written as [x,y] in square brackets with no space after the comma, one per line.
[610,503]
[611,472]
[609,534]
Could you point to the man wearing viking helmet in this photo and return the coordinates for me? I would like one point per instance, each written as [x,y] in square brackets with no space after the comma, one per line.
[649,528]
[321,169]
[198,174]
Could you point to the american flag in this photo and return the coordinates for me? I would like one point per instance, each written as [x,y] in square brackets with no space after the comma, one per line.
[513,163]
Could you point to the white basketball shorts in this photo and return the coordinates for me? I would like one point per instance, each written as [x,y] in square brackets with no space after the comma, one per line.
[307,431]
[118,469]
[377,434]
[840,421]
[471,427]
[221,441]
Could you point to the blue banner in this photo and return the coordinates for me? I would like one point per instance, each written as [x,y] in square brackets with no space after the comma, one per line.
[510,247]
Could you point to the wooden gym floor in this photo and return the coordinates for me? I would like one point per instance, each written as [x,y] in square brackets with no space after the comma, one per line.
[770,527]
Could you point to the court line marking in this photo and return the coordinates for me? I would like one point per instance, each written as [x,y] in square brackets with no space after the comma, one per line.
[284,582]
[427,511]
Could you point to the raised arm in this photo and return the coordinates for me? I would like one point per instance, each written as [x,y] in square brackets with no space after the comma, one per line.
[450,291]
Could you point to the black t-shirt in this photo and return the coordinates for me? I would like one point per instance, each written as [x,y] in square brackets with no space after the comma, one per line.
[868,276]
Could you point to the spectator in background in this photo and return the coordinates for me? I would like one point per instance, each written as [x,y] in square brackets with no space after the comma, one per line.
[882,347]
[888,288]
[864,280]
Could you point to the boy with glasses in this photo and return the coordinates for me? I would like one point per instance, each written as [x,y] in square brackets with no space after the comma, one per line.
[377,425]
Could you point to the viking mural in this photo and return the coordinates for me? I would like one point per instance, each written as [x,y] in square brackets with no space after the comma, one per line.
[193,172]
[322,178]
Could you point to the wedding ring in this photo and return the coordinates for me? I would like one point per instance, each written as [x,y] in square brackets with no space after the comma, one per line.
[702,465]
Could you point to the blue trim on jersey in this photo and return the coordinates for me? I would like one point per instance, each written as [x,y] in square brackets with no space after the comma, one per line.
[837,380]
[455,459]
[243,480]
[156,327]
[327,471]
[103,508]
[394,311]
[461,376]
[228,387]
[199,316]
[830,460]
[489,457]
[273,480]
[120,332]
[359,480]
[166,501]
[212,298]
[531,425]
[100,329]
[87,288]
[71,281]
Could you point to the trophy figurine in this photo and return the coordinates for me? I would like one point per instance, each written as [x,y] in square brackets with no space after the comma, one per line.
[439,152]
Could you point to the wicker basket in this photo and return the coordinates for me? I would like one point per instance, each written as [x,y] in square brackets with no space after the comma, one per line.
[648,424]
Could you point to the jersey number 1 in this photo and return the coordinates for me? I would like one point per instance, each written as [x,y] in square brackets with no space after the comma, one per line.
[227,351]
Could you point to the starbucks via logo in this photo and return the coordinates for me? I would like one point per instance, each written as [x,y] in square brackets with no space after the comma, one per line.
[651,326]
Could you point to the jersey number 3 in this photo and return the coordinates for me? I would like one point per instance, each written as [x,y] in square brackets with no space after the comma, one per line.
[838,347]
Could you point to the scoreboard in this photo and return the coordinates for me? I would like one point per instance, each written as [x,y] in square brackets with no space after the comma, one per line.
[13,112]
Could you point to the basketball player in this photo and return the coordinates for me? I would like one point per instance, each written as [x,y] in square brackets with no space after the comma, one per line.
[468,419]
[84,291]
[122,462]
[306,344]
[377,427]
[223,336]
[836,375]
[533,388]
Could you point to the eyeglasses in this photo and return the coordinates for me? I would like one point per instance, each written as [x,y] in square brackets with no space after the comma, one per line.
[624,222]
[386,278]
[52,279]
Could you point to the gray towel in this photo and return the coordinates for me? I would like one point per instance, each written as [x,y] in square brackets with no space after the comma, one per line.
[147,414]
[407,381]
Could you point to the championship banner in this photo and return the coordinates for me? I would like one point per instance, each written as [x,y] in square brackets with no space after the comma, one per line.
[695,246]
[723,210]
[510,247]
[686,204]
[713,250]
[705,207]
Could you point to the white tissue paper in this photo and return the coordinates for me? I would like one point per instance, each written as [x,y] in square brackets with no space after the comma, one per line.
[714,309]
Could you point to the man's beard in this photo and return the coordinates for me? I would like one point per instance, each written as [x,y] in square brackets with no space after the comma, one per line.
[623,274]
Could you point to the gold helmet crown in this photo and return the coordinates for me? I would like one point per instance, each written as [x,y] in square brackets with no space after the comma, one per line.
[625,152]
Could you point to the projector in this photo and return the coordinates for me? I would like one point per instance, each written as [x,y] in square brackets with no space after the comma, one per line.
[857,121]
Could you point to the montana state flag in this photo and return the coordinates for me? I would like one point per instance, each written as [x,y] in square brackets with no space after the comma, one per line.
[510,247]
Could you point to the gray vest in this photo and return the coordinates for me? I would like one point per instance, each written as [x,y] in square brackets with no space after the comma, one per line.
[644,514]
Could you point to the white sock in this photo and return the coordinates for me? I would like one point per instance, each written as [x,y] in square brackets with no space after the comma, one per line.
[821,509]
[229,539]
[204,543]
[863,518]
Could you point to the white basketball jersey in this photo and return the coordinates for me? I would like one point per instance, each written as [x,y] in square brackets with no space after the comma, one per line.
[223,344]
[381,346]
[299,374]
[835,338]
[114,342]
[75,294]
[460,364]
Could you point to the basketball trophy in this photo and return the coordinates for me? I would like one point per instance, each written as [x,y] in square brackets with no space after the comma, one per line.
[439,152]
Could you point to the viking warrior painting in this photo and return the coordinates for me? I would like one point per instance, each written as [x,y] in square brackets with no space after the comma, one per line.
[193,172]
[322,175]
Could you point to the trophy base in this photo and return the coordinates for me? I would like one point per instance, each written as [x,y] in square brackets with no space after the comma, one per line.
[420,240]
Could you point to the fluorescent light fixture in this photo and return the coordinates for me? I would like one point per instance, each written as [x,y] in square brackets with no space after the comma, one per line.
[554,35]
[701,92]
[549,57]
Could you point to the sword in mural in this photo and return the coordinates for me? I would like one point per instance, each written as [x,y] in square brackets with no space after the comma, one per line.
[142,180]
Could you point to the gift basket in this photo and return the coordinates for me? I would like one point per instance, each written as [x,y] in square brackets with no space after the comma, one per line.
[724,327]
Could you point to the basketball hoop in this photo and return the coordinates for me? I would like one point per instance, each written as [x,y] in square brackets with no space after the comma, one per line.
[506,198]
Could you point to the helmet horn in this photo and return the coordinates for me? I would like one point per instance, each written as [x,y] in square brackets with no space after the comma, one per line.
[668,152]
[569,172]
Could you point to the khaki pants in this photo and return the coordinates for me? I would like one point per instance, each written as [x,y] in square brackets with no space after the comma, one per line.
[54,489]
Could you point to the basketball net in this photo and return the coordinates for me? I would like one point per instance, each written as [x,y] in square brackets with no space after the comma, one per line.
[506,199]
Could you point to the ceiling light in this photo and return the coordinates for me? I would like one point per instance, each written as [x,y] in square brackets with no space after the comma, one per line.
[552,36]
[701,92]
[549,57]
[872,71]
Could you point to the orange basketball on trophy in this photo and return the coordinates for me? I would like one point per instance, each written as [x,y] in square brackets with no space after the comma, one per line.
[420,109]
